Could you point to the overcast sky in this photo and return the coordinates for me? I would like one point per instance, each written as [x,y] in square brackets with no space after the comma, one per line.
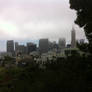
[30,20]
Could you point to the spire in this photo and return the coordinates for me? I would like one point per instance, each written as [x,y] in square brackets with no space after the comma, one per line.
[73,37]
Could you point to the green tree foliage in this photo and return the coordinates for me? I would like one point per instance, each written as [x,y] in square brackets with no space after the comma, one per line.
[63,75]
[83,46]
[84,17]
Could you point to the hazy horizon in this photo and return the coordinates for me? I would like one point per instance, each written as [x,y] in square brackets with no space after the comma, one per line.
[30,20]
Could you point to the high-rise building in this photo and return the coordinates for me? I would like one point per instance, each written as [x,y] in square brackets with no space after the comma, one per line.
[73,38]
[43,45]
[62,43]
[16,47]
[31,47]
[22,49]
[53,46]
[10,46]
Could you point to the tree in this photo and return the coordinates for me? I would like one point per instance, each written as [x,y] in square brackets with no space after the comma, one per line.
[83,46]
[84,17]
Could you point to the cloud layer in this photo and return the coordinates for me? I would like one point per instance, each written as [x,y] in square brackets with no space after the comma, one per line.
[35,19]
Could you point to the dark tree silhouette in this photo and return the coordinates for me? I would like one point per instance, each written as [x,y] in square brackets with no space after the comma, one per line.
[84,17]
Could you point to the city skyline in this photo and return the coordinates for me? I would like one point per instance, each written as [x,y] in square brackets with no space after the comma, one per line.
[24,20]
[14,48]
[24,43]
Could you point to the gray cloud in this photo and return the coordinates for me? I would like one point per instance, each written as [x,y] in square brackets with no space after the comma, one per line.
[35,19]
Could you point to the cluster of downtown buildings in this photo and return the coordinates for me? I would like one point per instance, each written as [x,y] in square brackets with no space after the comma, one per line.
[44,46]
[14,48]
[45,51]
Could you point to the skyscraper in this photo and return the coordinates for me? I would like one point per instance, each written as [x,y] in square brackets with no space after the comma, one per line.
[22,49]
[73,38]
[16,47]
[43,45]
[53,46]
[10,46]
[62,43]
[31,47]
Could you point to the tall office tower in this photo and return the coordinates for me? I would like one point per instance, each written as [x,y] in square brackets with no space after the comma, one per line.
[53,46]
[16,47]
[62,43]
[10,46]
[31,47]
[43,45]
[20,48]
[73,38]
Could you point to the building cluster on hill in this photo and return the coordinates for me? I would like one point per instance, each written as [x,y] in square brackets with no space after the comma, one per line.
[45,51]
[14,48]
